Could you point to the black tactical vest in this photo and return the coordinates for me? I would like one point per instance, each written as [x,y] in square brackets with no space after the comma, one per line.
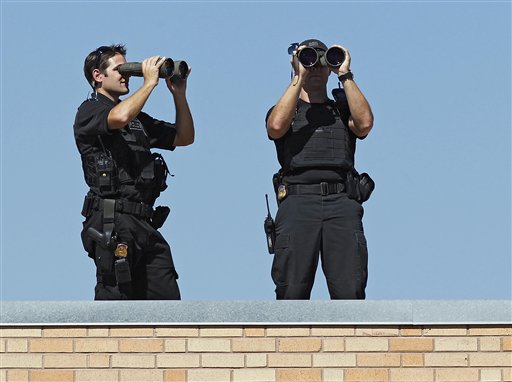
[125,167]
[318,138]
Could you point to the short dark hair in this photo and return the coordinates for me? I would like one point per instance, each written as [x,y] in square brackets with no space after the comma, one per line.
[314,43]
[98,59]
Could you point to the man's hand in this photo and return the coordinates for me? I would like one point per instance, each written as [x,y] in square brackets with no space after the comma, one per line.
[151,68]
[179,87]
[298,68]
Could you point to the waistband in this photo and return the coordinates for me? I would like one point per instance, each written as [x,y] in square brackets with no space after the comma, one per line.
[323,188]
[138,209]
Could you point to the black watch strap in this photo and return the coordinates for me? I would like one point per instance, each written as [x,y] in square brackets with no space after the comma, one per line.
[347,76]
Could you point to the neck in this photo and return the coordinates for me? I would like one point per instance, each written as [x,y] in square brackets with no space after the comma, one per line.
[113,97]
[314,96]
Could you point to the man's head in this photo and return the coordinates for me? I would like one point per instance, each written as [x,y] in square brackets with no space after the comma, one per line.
[310,53]
[314,43]
[99,61]
[317,74]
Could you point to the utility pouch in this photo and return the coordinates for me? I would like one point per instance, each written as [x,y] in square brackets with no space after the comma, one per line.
[161,171]
[159,216]
[154,173]
[106,173]
[122,270]
[359,187]
[148,172]
[352,186]
[366,186]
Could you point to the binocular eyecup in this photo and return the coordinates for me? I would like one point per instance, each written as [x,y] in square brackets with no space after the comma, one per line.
[175,70]
[309,57]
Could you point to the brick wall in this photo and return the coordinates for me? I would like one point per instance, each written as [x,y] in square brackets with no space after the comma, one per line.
[236,353]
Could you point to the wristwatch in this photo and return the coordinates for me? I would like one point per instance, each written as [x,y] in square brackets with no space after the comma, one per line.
[347,76]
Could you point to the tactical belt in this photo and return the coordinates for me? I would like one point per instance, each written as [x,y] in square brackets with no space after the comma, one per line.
[322,188]
[138,209]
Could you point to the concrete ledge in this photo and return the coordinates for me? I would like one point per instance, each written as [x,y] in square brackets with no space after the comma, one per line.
[118,313]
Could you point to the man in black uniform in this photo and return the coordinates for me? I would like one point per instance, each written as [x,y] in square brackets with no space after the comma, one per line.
[114,138]
[320,212]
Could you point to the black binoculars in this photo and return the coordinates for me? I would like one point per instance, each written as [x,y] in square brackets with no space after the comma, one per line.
[310,57]
[175,70]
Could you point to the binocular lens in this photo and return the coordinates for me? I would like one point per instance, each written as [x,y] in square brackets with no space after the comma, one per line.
[308,57]
[182,68]
[167,68]
[176,70]
[334,56]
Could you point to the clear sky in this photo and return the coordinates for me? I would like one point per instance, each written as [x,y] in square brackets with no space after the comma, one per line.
[437,75]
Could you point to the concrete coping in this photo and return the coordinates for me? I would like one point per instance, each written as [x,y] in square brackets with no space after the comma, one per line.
[247,313]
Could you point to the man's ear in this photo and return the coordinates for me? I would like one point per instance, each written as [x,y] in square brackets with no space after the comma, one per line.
[97,76]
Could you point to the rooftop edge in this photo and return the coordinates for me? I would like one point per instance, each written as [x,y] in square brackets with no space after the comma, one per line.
[223,313]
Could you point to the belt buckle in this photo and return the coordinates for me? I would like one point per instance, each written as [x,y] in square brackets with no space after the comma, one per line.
[324,188]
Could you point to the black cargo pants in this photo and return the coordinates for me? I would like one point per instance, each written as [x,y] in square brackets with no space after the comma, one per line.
[149,255]
[309,227]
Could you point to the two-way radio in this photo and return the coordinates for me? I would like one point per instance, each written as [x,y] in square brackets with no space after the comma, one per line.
[270,229]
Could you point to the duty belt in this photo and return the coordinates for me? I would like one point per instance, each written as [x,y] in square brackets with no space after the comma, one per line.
[138,209]
[322,188]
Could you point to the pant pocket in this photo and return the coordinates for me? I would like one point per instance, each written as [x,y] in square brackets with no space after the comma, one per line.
[281,258]
[362,249]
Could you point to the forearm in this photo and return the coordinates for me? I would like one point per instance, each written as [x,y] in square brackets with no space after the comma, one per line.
[124,112]
[185,131]
[361,113]
[281,117]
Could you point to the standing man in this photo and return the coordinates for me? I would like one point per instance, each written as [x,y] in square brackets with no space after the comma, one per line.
[319,192]
[114,138]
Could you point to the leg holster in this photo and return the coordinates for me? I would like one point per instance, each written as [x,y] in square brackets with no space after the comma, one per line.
[107,247]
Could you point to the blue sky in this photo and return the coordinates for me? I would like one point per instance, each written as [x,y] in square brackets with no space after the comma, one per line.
[438,77]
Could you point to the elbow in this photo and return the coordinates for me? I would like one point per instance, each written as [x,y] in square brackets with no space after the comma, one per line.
[118,120]
[274,130]
[185,132]
[189,141]
[189,138]
[365,128]
[365,125]
[184,140]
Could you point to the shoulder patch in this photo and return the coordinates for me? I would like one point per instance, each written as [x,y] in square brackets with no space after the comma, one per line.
[136,125]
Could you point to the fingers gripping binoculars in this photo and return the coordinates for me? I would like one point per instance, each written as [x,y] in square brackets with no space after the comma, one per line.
[309,57]
[175,70]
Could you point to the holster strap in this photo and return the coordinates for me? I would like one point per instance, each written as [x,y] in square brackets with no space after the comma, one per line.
[138,209]
[322,188]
